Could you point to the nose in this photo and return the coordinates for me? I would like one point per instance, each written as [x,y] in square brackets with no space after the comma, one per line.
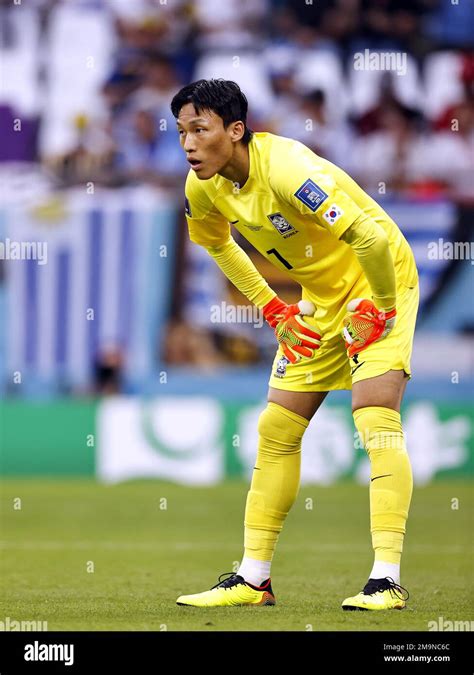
[188,145]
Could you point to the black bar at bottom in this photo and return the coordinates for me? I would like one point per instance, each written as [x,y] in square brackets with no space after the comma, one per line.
[147,652]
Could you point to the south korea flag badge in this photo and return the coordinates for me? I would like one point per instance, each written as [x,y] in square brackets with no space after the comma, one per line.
[333,214]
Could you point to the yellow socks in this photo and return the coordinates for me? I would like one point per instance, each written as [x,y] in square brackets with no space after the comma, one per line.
[275,480]
[391,482]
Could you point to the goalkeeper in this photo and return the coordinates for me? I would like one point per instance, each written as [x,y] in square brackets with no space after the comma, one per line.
[358,273]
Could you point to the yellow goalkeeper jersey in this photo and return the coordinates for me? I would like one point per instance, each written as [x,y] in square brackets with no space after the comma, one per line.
[293,209]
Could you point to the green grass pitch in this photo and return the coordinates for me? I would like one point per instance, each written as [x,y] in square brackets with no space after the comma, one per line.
[84,556]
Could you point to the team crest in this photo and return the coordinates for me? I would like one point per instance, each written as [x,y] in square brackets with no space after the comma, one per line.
[281,367]
[281,224]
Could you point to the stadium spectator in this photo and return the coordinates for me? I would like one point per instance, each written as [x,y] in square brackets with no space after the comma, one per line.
[311,123]
[108,367]
[233,24]
[456,146]
[151,153]
[395,156]
[186,344]
[159,82]
[157,45]
[466,77]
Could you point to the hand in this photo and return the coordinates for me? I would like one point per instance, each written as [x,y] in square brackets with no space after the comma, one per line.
[364,324]
[290,327]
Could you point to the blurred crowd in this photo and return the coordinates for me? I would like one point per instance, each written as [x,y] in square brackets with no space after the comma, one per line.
[86,91]
[106,70]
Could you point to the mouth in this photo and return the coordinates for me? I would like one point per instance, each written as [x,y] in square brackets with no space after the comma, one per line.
[195,163]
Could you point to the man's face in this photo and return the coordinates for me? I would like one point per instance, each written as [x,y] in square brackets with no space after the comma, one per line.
[208,146]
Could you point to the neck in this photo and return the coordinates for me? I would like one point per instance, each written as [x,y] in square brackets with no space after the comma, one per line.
[238,168]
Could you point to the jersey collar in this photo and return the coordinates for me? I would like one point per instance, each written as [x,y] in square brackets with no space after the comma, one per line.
[252,169]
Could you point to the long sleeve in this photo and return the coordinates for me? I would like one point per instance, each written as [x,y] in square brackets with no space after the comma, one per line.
[210,229]
[241,271]
[369,242]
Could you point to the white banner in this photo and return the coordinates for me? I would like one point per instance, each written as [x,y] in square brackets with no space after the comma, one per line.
[179,439]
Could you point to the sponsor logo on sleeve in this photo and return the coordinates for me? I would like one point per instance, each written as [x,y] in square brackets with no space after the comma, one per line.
[333,214]
[311,195]
[187,207]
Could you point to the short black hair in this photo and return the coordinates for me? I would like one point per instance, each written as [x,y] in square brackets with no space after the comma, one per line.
[222,97]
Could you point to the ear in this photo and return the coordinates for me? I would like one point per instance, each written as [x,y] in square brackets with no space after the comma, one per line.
[236,131]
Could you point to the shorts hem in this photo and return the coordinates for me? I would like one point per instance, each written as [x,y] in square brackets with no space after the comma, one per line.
[361,378]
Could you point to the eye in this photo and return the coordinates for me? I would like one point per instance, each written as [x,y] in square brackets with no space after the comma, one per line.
[180,132]
[198,129]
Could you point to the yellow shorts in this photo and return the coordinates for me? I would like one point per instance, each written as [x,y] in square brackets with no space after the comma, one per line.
[331,369]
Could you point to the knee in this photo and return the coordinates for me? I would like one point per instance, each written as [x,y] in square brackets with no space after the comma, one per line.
[282,427]
[379,427]
[376,417]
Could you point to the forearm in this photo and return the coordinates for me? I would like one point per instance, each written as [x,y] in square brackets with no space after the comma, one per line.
[241,271]
[370,243]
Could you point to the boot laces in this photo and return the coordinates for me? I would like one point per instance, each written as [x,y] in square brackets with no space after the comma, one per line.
[233,580]
[386,584]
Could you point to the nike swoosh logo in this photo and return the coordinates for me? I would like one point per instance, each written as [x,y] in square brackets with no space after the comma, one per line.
[256,467]
[384,476]
[232,222]
[354,369]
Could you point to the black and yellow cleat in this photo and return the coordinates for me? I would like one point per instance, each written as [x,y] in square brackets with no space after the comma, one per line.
[378,594]
[231,591]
